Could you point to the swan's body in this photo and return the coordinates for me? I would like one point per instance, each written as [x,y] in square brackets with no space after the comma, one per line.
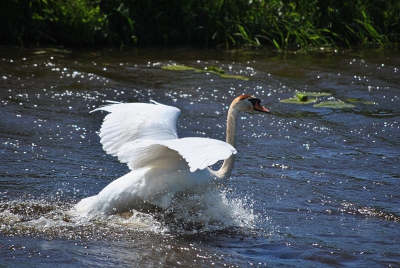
[163,166]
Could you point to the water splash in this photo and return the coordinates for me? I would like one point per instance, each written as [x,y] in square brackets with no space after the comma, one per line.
[209,212]
[213,211]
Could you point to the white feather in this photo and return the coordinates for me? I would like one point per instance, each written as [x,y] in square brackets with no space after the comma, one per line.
[163,166]
[132,129]
[200,152]
[132,121]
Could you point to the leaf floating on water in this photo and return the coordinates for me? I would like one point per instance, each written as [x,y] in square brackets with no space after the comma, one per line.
[240,77]
[215,69]
[302,96]
[297,101]
[334,105]
[360,101]
[210,69]
[177,68]
[223,75]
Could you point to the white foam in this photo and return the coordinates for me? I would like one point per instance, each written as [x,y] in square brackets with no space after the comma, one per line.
[213,211]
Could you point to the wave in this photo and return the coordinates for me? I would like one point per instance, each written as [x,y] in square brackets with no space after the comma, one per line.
[351,208]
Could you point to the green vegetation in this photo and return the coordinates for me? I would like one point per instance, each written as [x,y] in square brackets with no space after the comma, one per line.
[332,103]
[302,96]
[208,69]
[283,24]
[296,100]
[177,68]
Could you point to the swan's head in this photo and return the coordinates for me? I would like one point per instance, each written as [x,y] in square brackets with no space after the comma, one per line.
[248,103]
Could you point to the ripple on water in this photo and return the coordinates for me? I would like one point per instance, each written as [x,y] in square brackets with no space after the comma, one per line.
[319,174]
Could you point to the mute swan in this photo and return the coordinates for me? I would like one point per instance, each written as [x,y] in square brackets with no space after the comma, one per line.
[163,166]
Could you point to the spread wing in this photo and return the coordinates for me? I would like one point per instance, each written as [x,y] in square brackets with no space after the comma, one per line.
[133,121]
[199,153]
[142,134]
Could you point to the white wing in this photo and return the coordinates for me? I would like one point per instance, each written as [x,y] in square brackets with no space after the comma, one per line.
[143,134]
[144,153]
[132,121]
[199,153]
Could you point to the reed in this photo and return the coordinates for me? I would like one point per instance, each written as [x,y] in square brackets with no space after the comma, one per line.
[283,24]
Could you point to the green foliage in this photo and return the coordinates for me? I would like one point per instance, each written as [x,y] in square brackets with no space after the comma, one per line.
[296,25]
[283,24]
[77,22]
[69,22]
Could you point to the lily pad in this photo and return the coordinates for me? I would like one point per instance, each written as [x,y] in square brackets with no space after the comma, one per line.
[233,76]
[302,96]
[210,69]
[334,105]
[215,69]
[353,100]
[177,68]
[297,101]
[223,75]
[361,101]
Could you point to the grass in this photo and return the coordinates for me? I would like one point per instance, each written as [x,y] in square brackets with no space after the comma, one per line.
[282,24]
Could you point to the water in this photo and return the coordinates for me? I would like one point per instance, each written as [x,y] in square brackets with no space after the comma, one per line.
[311,187]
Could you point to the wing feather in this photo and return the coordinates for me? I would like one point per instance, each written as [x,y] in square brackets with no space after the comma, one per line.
[200,152]
[127,122]
[143,135]
[144,153]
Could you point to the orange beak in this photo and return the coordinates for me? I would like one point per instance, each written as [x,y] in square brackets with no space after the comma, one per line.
[260,108]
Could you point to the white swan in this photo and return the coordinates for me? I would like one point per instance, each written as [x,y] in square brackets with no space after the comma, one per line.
[163,166]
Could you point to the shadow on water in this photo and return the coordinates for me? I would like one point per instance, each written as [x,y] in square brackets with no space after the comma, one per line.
[311,186]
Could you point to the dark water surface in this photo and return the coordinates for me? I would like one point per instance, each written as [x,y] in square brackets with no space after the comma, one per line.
[312,186]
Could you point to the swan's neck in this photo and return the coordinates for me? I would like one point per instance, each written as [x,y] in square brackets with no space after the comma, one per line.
[226,169]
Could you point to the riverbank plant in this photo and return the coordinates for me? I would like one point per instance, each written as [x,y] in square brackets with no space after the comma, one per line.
[282,24]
